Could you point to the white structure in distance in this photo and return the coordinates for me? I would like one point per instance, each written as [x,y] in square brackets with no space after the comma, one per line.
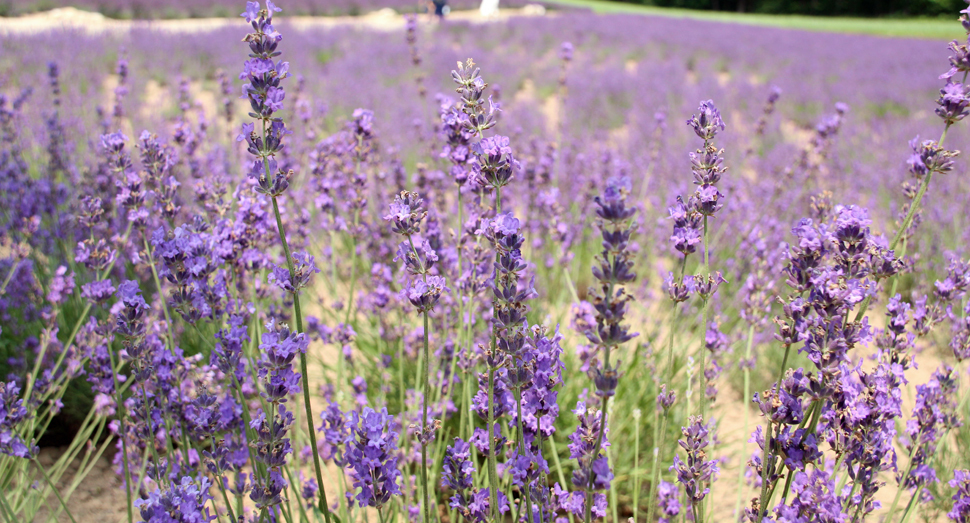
[489,8]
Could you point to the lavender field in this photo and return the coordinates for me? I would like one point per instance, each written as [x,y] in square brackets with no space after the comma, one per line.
[561,268]
[174,9]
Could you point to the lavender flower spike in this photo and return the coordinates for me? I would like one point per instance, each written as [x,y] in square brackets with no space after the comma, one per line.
[697,473]
[708,123]
[372,456]
[961,500]
[264,73]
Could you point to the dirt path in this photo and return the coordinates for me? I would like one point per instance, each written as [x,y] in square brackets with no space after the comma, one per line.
[95,23]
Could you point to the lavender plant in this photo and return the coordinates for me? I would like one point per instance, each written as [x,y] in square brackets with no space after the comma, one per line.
[180,310]
[264,73]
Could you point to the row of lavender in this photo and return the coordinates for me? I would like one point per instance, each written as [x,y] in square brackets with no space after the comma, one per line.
[637,66]
[167,9]
[154,272]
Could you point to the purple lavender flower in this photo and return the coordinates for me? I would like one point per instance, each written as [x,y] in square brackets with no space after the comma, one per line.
[665,398]
[594,472]
[12,414]
[336,434]
[471,88]
[539,397]
[419,258]
[814,498]
[960,342]
[697,473]
[708,123]
[272,449]
[184,503]
[952,106]
[960,59]
[309,491]
[406,212]
[678,291]
[933,416]
[61,286]
[566,52]
[668,501]
[687,223]
[130,324]
[265,96]
[613,270]
[457,474]
[961,500]
[227,355]
[509,296]
[279,346]
[98,291]
[424,294]
[928,157]
[496,164]
[372,456]
[304,269]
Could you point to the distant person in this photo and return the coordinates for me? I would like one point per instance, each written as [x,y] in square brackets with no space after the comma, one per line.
[441,8]
[489,8]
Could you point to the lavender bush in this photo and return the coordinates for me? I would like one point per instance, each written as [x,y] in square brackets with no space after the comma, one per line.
[486,297]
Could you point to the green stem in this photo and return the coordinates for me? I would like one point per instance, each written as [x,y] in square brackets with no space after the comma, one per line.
[151,441]
[556,462]
[596,449]
[492,451]
[124,440]
[528,491]
[299,503]
[424,421]
[400,363]
[298,316]
[899,491]
[902,254]
[161,297]
[655,471]
[636,462]
[764,499]
[848,499]
[745,399]
[703,366]
[222,487]
[245,416]
[658,448]
[698,513]
[570,285]
[909,505]
[8,514]
[353,270]
[8,278]
[707,268]
[425,387]
[54,488]
[844,477]
[614,505]
[353,235]
[784,493]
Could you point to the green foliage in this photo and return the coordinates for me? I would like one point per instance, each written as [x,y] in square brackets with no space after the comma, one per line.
[821,7]
[933,28]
